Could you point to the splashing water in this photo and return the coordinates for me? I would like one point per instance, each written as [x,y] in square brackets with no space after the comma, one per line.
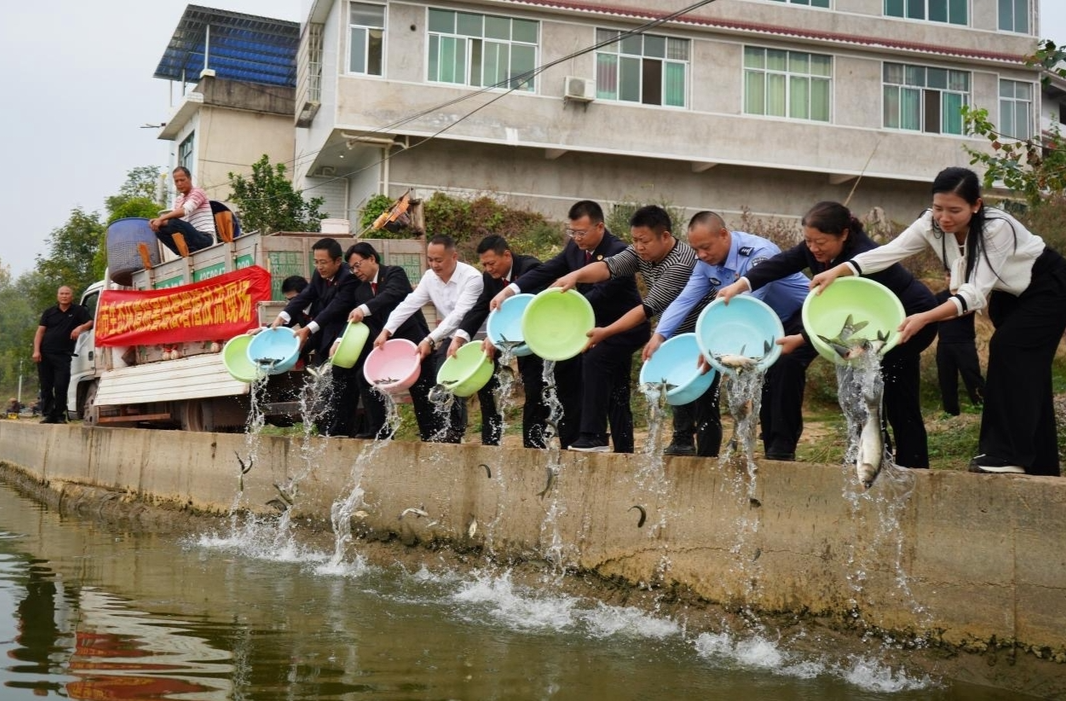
[504,392]
[253,429]
[651,475]
[555,549]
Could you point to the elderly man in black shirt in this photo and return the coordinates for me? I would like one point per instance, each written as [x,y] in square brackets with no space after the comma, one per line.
[53,347]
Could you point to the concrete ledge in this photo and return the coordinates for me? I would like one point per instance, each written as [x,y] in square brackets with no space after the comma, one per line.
[965,561]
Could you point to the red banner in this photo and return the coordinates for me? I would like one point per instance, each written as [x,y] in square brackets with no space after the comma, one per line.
[210,310]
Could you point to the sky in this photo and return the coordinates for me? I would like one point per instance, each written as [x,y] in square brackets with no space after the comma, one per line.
[78,88]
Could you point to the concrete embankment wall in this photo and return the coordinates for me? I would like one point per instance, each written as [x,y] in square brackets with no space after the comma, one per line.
[973,561]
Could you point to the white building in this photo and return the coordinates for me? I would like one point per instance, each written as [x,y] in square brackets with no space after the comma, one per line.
[765,104]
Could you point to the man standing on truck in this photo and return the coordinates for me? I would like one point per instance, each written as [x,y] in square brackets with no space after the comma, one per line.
[330,296]
[191,219]
[53,347]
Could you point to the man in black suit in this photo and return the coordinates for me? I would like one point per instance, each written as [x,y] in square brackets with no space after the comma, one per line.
[596,389]
[502,267]
[381,288]
[329,297]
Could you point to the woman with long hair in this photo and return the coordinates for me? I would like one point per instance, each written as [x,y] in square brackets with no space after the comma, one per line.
[831,235]
[997,264]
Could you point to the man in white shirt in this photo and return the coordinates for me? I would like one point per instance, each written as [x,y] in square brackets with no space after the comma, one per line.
[191,219]
[452,287]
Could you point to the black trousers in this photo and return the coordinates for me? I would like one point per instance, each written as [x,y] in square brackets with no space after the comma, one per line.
[605,375]
[952,360]
[194,240]
[901,370]
[703,419]
[534,411]
[781,413]
[1018,421]
[569,390]
[339,419]
[53,375]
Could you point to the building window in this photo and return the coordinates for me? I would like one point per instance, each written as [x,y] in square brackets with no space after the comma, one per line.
[644,68]
[792,84]
[925,99]
[1014,16]
[482,50]
[812,3]
[367,44]
[950,11]
[1016,109]
[185,151]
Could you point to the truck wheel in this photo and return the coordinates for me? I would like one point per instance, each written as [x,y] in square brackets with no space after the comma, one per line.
[196,415]
[90,413]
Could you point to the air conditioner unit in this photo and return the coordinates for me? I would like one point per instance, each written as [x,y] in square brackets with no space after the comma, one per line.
[579,89]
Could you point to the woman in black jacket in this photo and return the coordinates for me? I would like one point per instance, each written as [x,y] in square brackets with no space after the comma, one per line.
[831,236]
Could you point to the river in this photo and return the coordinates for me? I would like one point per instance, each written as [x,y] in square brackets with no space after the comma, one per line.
[94,610]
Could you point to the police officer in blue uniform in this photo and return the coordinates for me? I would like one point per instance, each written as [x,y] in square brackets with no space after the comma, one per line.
[725,256]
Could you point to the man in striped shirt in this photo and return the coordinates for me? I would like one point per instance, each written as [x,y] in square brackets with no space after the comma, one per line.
[191,217]
[666,264]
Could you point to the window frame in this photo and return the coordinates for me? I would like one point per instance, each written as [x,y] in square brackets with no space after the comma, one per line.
[1031,128]
[788,78]
[626,56]
[187,151]
[367,44]
[924,92]
[474,48]
[1028,14]
[906,7]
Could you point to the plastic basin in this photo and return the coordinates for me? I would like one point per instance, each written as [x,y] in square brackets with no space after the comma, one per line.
[394,367]
[352,342]
[745,326]
[555,324]
[274,351]
[465,372]
[676,363]
[862,299]
[235,358]
[505,325]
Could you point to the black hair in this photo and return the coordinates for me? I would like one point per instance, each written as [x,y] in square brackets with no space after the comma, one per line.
[652,217]
[706,218]
[495,243]
[365,250]
[182,169]
[964,183]
[294,283]
[832,218]
[442,240]
[586,208]
[329,245]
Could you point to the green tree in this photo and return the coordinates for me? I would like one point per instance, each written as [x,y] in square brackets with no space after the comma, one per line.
[71,258]
[16,343]
[267,201]
[142,183]
[1034,167]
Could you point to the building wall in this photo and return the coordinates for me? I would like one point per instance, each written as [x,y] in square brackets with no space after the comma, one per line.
[231,141]
[712,130]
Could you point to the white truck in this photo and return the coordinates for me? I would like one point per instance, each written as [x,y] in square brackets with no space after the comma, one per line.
[187,385]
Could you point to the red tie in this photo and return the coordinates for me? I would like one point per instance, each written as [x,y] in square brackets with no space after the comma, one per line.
[588,257]
[373,288]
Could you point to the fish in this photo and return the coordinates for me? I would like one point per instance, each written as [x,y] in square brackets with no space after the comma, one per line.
[471,530]
[552,474]
[850,328]
[245,469]
[385,381]
[418,512]
[740,362]
[871,442]
[856,346]
[285,496]
[360,514]
[488,470]
[278,504]
[450,383]
[643,514]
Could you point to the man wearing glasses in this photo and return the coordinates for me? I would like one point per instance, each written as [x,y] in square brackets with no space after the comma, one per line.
[593,388]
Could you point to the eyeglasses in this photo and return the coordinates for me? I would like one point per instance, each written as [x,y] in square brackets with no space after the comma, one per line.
[355,263]
[577,233]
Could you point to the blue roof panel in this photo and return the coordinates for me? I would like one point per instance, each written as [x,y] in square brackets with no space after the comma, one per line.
[236,46]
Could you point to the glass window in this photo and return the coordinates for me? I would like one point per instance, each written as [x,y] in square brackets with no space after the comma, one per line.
[467,48]
[791,84]
[186,151]
[1014,16]
[917,98]
[647,68]
[1016,109]
[948,11]
[366,46]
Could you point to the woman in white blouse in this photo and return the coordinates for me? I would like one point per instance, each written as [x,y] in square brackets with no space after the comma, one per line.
[998,264]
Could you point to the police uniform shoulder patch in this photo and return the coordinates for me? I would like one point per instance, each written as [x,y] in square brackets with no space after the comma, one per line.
[756,261]
[746,250]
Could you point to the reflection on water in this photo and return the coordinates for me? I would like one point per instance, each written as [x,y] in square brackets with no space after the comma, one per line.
[90,612]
